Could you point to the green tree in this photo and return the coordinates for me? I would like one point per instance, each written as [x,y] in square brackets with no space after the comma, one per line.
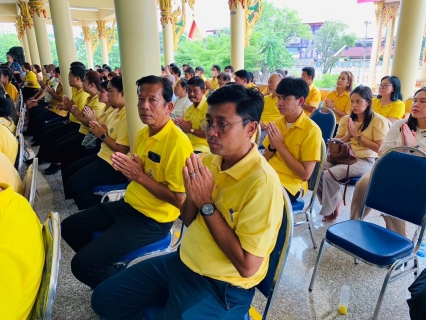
[329,39]
[7,40]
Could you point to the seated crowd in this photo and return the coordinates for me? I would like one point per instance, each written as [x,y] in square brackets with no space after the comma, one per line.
[195,159]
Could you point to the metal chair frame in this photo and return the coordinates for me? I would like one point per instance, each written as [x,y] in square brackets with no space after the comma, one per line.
[398,264]
[30,182]
[21,151]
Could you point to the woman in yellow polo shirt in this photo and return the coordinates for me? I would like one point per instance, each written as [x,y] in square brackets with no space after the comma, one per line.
[339,100]
[6,109]
[30,81]
[364,130]
[96,169]
[7,81]
[389,102]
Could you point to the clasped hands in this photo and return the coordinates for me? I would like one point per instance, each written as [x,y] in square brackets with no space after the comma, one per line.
[408,136]
[186,126]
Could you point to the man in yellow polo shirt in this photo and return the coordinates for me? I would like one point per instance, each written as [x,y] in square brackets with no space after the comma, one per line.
[313,99]
[21,254]
[8,144]
[242,77]
[233,211]
[152,199]
[293,143]
[214,73]
[194,114]
[199,72]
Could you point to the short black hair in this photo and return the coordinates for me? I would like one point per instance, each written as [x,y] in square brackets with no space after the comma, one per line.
[117,82]
[167,91]
[163,69]
[176,70]
[396,84]
[77,63]
[217,67]
[251,76]
[190,70]
[173,65]
[199,69]
[249,102]
[230,68]
[78,71]
[6,108]
[57,70]
[243,74]
[186,65]
[290,86]
[309,71]
[196,82]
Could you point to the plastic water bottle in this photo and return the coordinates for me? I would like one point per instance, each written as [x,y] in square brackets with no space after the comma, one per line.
[422,250]
[344,300]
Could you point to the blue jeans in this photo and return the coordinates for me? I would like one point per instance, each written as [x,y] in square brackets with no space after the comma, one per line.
[167,281]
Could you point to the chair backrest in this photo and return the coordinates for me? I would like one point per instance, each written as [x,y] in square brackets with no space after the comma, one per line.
[278,256]
[30,182]
[43,306]
[395,186]
[314,180]
[325,119]
[19,163]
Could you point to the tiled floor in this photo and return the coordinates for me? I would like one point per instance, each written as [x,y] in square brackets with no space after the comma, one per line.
[294,301]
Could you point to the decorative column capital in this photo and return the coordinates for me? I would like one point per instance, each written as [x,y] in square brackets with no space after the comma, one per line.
[86,33]
[37,7]
[233,4]
[253,13]
[166,11]
[101,28]
[26,14]
[20,27]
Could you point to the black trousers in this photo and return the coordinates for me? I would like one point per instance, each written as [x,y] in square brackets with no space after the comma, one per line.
[126,230]
[41,119]
[28,93]
[32,114]
[72,141]
[76,153]
[80,177]
[53,136]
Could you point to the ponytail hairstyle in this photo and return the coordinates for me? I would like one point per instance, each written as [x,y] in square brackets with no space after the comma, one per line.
[412,122]
[6,72]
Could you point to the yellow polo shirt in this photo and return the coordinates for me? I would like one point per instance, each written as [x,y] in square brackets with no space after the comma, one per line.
[251,190]
[12,91]
[195,115]
[8,123]
[270,110]
[116,123]
[9,175]
[396,109]
[314,98]
[341,102]
[32,77]
[303,140]
[96,106]
[21,255]
[53,102]
[173,148]
[214,84]
[79,98]
[252,85]
[376,131]
[8,144]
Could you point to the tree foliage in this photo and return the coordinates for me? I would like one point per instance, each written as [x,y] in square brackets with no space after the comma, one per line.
[329,39]
[7,40]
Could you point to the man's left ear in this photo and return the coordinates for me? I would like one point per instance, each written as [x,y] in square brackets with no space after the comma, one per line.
[301,101]
[252,128]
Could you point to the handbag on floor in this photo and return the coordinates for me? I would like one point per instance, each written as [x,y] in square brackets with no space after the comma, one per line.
[417,302]
[340,152]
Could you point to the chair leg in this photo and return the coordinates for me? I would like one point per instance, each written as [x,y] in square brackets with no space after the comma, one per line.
[416,265]
[317,264]
[311,228]
[382,293]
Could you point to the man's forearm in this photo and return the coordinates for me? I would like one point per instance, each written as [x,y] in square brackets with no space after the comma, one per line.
[188,212]
[199,133]
[291,162]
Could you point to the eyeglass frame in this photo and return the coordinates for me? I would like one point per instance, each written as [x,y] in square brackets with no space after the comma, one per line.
[225,126]
[386,85]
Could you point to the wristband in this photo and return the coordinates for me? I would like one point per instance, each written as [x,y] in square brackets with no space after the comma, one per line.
[270,149]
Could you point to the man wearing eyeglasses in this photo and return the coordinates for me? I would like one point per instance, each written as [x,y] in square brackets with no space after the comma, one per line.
[233,211]
[190,123]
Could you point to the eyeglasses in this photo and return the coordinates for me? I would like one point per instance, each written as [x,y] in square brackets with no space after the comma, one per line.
[219,127]
[385,85]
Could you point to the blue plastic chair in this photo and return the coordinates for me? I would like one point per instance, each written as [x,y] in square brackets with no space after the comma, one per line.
[374,244]
[299,205]
[107,189]
[276,266]
[326,120]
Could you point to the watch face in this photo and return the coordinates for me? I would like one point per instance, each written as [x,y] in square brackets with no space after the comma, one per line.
[207,209]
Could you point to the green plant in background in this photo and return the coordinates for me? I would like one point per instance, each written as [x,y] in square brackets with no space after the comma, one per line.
[328,81]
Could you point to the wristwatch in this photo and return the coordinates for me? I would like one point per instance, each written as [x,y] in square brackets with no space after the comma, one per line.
[207,209]
[104,136]
[192,130]
[270,149]
[358,138]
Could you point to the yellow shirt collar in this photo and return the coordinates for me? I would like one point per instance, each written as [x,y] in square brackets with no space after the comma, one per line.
[242,167]
[345,93]
[163,132]
[7,194]
[300,122]
[201,104]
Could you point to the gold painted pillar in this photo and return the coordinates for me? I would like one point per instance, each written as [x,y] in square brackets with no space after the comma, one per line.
[137,20]
[408,44]
[238,17]
[64,38]
[88,42]
[377,41]
[39,18]
[423,71]
[167,25]
[29,28]
[390,31]
[22,36]
[103,39]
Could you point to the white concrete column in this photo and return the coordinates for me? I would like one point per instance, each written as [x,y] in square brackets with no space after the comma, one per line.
[103,39]
[137,20]
[39,18]
[390,31]
[64,38]
[423,72]
[167,25]
[407,48]
[32,43]
[26,48]
[238,16]
[88,42]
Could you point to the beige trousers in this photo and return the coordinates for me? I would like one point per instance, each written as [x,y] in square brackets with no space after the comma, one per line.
[393,224]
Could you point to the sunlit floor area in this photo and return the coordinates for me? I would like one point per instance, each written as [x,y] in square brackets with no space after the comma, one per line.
[294,301]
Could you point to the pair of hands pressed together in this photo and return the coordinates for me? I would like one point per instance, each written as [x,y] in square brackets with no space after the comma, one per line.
[276,138]
[186,126]
[408,136]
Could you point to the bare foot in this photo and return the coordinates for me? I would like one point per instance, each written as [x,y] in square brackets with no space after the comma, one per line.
[331,218]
